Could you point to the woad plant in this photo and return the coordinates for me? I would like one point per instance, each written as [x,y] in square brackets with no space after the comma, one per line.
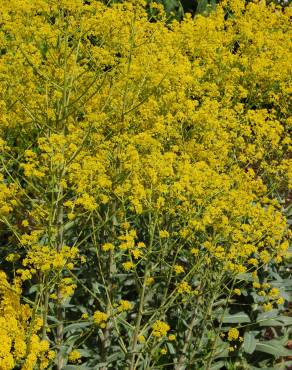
[144,186]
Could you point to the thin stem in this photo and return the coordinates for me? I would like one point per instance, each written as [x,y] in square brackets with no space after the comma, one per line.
[209,363]
[138,321]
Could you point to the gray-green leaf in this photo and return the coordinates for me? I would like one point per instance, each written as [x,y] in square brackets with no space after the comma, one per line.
[249,343]
[237,318]
[273,347]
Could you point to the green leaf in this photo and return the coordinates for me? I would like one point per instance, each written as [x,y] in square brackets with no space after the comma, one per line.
[272,318]
[43,48]
[285,284]
[280,366]
[171,349]
[277,321]
[267,315]
[84,353]
[237,318]
[273,347]
[76,326]
[288,211]
[271,322]
[249,343]
[286,320]
[222,349]
[69,225]
[75,367]
[247,276]
[202,6]
[218,365]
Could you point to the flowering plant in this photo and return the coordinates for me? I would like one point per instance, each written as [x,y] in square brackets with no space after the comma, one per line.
[144,172]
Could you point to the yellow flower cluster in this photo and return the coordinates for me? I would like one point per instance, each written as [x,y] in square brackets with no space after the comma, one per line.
[43,258]
[124,306]
[160,329]
[233,334]
[194,149]
[74,356]
[7,197]
[270,295]
[178,269]
[20,344]
[100,318]
[128,265]
[184,287]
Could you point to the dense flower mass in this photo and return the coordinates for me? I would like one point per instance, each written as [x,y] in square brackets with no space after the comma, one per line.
[144,162]
[18,331]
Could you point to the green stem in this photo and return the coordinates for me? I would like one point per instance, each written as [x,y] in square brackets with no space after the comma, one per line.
[138,321]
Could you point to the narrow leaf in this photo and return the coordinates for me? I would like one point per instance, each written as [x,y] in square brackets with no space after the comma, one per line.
[237,318]
[273,347]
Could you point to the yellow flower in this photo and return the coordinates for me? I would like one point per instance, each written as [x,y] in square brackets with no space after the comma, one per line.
[128,265]
[126,225]
[237,291]
[51,355]
[163,234]
[163,351]
[160,329]
[274,293]
[256,285]
[232,334]
[136,253]
[178,269]
[12,257]
[44,345]
[171,337]
[280,300]
[100,317]
[141,339]
[195,251]
[124,306]
[71,216]
[25,223]
[107,247]
[74,356]
[149,281]
[265,256]
[253,261]
[278,259]
[267,306]
[184,287]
